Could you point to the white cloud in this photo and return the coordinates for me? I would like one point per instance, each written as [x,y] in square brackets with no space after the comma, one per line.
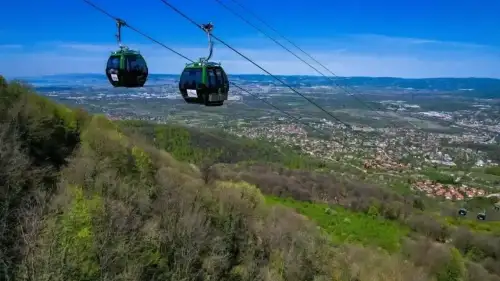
[406,41]
[11,47]
[351,55]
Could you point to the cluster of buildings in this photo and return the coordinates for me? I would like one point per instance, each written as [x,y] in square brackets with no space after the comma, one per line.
[386,145]
[447,191]
[380,153]
[385,163]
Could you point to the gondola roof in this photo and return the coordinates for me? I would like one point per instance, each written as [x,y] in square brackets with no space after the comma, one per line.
[202,64]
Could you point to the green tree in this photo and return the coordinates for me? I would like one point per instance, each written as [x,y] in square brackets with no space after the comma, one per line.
[453,269]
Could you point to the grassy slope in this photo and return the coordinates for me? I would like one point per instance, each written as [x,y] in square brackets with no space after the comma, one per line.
[349,227]
[364,228]
[105,219]
[194,145]
[102,212]
[88,201]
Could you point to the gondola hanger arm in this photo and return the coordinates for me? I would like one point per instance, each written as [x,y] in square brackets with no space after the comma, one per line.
[119,24]
[208,27]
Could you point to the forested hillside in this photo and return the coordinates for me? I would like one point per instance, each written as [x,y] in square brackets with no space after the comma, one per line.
[196,146]
[85,198]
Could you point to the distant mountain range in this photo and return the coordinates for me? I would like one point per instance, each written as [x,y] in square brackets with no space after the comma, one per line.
[483,87]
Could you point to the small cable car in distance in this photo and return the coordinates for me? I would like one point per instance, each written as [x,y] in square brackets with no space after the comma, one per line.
[204,82]
[462,212]
[125,67]
[481,216]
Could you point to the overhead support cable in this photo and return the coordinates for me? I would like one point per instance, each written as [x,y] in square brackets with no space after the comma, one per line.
[294,54]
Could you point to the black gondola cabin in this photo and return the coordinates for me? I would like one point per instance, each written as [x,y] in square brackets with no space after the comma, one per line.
[204,83]
[127,68]
[481,216]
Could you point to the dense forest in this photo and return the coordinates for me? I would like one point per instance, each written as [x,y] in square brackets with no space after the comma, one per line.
[85,198]
[199,147]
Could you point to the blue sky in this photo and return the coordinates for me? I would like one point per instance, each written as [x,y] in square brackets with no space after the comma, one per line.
[425,38]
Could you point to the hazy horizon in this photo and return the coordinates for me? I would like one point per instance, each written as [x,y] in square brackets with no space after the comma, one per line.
[258,74]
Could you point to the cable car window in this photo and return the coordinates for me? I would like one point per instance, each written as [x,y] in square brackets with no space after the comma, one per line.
[114,62]
[212,80]
[136,63]
[191,77]
[224,78]
[220,78]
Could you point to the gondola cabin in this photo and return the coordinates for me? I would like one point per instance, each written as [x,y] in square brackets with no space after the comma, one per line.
[462,212]
[204,83]
[481,216]
[127,68]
